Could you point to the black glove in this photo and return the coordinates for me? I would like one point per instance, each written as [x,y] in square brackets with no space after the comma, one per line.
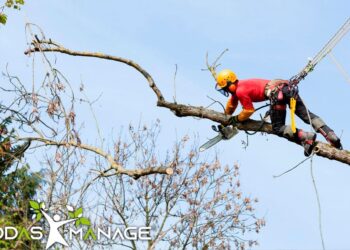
[220,127]
[233,120]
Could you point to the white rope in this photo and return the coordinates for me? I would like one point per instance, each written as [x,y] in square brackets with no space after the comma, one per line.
[318,203]
[320,228]
[340,67]
[331,43]
[323,52]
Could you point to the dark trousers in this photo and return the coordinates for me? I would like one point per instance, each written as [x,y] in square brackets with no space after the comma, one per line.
[278,115]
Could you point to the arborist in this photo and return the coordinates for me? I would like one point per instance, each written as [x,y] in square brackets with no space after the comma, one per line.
[280,93]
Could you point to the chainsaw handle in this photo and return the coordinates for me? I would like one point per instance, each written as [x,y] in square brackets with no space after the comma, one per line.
[217,128]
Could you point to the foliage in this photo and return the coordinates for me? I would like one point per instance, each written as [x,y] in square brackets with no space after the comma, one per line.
[3,18]
[36,207]
[18,187]
[9,153]
[78,214]
[11,4]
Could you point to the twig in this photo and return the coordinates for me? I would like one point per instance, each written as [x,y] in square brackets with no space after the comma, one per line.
[291,169]
[212,67]
[215,101]
[175,83]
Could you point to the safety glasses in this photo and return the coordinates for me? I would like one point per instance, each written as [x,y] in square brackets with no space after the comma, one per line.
[223,91]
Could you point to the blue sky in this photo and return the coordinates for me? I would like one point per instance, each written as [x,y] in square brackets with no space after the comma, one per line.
[267,39]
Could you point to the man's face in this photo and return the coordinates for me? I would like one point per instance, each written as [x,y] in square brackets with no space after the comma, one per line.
[232,88]
[229,89]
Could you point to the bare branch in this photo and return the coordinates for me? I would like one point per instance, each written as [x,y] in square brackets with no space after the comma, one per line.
[136,173]
[212,67]
[39,47]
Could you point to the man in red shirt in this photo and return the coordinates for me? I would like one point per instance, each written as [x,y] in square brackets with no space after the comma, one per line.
[279,93]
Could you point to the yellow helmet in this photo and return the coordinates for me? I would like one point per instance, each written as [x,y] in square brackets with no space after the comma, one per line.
[224,77]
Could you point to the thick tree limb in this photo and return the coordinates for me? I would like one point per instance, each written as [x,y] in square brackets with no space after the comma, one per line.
[181,110]
[57,48]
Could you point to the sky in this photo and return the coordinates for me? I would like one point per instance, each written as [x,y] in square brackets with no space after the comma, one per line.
[266,39]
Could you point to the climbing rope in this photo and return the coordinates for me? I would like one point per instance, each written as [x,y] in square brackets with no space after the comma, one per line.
[318,202]
[322,53]
[340,67]
[294,81]
[315,186]
[262,121]
[332,43]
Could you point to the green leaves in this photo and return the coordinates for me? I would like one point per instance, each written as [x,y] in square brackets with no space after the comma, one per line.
[78,214]
[39,216]
[77,223]
[35,206]
[3,18]
[11,4]
[82,221]
[85,221]
[71,215]
[14,4]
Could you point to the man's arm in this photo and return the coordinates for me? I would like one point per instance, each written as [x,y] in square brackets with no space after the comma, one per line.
[245,114]
[248,109]
[231,105]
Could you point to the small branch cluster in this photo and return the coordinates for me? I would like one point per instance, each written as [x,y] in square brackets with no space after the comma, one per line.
[45,113]
[212,67]
[200,206]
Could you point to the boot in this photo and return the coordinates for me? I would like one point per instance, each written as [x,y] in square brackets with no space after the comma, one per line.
[330,136]
[307,140]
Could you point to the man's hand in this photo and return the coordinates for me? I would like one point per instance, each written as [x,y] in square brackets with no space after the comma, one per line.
[233,120]
[220,127]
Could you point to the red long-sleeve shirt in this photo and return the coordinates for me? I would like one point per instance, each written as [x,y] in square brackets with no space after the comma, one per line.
[247,91]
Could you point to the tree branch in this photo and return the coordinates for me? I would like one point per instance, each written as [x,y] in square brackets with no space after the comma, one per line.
[181,110]
[134,173]
[37,47]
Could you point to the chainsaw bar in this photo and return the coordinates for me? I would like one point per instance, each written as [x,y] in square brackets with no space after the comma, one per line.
[225,134]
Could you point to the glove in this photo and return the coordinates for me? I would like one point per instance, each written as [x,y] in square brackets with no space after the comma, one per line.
[220,127]
[233,120]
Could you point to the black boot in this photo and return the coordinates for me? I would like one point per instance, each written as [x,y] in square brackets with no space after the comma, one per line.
[330,136]
[307,140]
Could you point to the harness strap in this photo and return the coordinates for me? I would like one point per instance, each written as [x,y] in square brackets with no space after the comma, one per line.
[292,106]
[278,107]
[274,85]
